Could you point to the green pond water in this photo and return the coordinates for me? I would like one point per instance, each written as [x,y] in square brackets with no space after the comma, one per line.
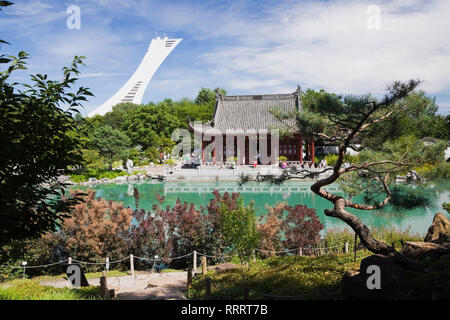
[292,193]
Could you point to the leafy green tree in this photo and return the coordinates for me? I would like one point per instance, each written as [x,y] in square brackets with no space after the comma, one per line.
[239,229]
[344,120]
[409,111]
[37,143]
[446,207]
[208,97]
[148,125]
[186,110]
[111,143]
[118,117]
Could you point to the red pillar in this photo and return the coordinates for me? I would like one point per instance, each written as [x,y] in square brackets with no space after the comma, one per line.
[203,153]
[301,150]
[214,156]
[312,151]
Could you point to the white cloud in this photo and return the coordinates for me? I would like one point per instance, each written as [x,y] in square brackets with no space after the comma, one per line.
[327,44]
[268,49]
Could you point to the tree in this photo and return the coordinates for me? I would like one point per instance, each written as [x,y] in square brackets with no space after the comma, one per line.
[118,116]
[37,143]
[111,143]
[415,108]
[270,229]
[151,126]
[345,119]
[208,97]
[96,229]
[238,227]
[302,227]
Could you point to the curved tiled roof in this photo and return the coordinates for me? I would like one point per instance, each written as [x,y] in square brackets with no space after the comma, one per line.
[253,111]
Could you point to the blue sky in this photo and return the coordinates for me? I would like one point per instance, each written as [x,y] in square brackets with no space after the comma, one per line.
[246,47]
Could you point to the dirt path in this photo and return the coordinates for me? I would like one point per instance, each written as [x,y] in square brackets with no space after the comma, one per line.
[154,286]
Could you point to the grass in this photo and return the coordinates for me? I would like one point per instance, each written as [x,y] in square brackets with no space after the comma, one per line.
[31,290]
[63,276]
[98,174]
[171,270]
[282,278]
[392,236]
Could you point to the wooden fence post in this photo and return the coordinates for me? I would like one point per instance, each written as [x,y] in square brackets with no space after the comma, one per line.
[300,251]
[204,266]
[246,292]
[189,281]
[346,247]
[69,261]
[194,263]
[104,287]
[254,255]
[132,265]
[208,288]
[107,264]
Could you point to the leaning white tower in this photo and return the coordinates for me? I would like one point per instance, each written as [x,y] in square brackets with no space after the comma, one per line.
[133,91]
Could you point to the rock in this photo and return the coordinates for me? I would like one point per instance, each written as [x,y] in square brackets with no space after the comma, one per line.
[92,181]
[439,231]
[400,179]
[394,285]
[224,266]
[120,179]
[140,176]
[422,250]
[132,178]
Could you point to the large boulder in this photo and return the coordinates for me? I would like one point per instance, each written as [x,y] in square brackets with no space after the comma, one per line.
[439,231]
[422,250]
[394,285]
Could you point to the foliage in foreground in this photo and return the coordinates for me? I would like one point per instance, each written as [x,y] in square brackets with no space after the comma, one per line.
[31,290]
[282,278]
[100,229]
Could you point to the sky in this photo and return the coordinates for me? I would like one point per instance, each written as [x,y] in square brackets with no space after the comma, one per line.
[246,47]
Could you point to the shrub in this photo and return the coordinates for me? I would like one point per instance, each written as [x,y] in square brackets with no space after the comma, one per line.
[446,206]
[438,171]
[30,290]
[96,229]
[170,162]
[270,229]
[331,159]
[239,230]
[302,227]
[97,174]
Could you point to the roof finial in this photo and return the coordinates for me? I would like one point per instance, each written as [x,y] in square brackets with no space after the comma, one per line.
[299,90]
[218,95]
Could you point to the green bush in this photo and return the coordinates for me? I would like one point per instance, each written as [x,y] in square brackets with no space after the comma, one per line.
[170,162]
[435,172]
[331,159]
[282,278]
[31,290]
[96,173]
[391,236]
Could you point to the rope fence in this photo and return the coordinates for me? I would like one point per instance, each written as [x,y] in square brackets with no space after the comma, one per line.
[307,250]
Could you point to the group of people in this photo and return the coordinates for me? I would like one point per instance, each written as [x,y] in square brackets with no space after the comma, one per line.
[190,159]
[322,164]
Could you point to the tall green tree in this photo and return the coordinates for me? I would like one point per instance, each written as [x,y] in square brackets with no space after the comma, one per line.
[208,97]
[342,121]
[37,143]
[239,230]
[151,126]
[111,143]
